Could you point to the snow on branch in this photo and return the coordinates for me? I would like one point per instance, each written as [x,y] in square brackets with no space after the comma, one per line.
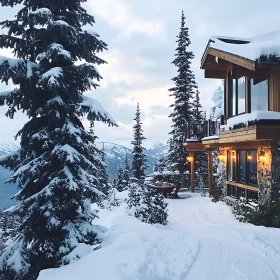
[96,111]
[52,77]
[54,49]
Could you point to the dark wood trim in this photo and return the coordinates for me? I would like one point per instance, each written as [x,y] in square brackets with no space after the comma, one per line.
[249,100]
[210,178]
[225,97]
[235,59]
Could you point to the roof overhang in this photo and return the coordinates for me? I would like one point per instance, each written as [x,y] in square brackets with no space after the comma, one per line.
[215,59]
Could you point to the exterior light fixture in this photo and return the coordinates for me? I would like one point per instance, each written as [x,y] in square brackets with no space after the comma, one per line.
[221,157]
[262,156]
[249,156]
[189,158]
[233,156]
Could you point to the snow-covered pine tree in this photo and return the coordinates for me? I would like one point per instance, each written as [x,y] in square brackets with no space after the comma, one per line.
[55,167]
[119,181]
[201,158]
[218,99]
[138,165]
[126,174]
[152,207]
[138,152]
[183,93]
[160,164]
[218,167]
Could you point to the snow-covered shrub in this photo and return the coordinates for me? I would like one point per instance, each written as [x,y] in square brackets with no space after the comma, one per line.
[262,214]
[219,182]
[146,204]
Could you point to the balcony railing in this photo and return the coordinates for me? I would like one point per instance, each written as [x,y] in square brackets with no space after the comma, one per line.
[211,127]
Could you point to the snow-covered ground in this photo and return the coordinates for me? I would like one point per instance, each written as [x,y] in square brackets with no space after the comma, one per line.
[202,241]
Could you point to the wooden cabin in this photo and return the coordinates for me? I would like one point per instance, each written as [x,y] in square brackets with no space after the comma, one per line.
[248,134]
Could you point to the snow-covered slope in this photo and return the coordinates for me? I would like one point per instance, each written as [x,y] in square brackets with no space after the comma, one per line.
[202,241]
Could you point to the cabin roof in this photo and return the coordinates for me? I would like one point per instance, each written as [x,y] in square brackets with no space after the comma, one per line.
[262,49]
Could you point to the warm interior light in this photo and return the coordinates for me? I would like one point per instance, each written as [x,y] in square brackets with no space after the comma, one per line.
[262,155]
[249,156]
[189,158]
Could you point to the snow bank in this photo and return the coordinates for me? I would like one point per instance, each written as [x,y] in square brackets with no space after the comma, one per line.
[251,48]
[254,116]
[132,250]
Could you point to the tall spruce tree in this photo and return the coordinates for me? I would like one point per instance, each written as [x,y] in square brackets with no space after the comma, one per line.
[201,158]
[143,201]
[55,167]
[183,93]
[138,152]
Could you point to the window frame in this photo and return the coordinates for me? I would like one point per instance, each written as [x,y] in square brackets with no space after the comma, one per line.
[250,94]
[246,168]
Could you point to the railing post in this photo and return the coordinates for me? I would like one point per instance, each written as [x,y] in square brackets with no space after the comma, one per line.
[210,183]
[208,127]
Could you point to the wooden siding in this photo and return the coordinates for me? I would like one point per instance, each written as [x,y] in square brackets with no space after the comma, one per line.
[274,90]
[194,146]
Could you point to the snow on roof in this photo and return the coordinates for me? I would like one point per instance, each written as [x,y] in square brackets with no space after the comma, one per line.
[210,137]
[254,116]
[252,48]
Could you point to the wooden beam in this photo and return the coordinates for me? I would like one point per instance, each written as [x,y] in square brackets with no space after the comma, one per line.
[233,58]
[210,181]
[247,187]
[212,63]
[192,170]
[215,74]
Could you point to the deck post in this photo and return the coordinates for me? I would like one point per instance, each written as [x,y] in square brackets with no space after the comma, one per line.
[192,170]
[210,178]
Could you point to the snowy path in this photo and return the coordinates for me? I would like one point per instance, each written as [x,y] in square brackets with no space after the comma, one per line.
[203,241]
[227,249]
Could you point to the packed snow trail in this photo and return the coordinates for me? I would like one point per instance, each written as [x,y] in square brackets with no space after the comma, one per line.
[228,249]
[203,241]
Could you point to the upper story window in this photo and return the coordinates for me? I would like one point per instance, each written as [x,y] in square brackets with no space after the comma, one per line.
[236,94]
[258,91]
[255,90]
[241,88]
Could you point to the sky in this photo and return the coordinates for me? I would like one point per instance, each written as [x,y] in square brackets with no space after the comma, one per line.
[141,38]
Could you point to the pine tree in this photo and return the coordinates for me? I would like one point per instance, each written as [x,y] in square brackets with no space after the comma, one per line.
[55,167]
[138,152]
[126,174]
[183,93]
[218,99]
[119,181]
[103,178]
[201,158]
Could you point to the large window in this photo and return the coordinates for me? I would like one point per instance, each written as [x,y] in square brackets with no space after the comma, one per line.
[236,95]
[259,95]
[241,95]
[231,165]
[242,166]
[247,167]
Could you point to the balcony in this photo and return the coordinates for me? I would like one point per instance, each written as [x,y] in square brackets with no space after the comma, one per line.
[195,132]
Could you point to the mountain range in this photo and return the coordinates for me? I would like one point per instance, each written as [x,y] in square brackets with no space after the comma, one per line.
[115,156]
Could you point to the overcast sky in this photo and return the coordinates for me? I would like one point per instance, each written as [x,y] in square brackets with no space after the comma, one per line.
[141,39]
